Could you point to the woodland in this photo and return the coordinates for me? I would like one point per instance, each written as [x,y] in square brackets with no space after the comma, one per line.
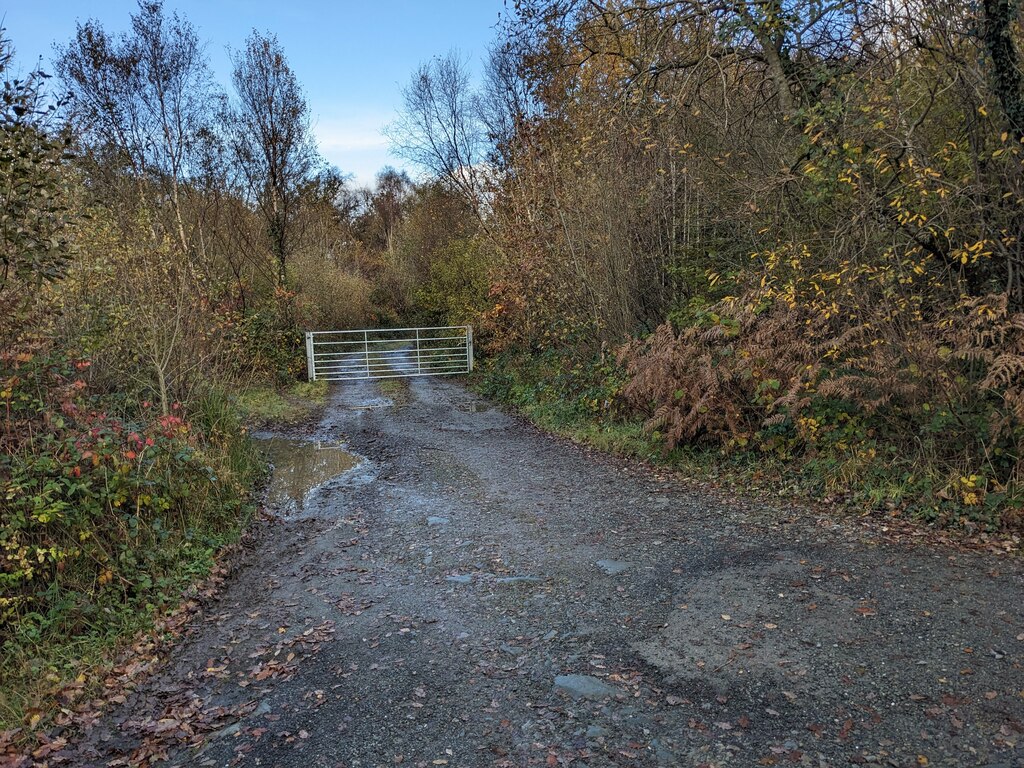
[774,243]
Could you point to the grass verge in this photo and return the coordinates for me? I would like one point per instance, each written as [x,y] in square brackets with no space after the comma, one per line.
[262,406]
[577,401]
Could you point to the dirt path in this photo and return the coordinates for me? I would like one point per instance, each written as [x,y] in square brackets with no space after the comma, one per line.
[477,594]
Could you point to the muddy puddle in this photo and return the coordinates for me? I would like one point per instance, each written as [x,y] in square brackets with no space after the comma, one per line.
[301,466]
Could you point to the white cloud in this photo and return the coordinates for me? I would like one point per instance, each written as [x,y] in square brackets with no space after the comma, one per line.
[356,145]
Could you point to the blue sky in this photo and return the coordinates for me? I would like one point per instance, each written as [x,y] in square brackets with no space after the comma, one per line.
[353,58]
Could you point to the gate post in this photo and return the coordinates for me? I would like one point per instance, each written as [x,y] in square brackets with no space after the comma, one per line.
[419,367]
[469,347]
[310,364]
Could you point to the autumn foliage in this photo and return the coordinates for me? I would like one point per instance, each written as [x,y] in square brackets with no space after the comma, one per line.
[796,227]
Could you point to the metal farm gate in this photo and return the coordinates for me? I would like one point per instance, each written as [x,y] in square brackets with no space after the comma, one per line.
[388,353]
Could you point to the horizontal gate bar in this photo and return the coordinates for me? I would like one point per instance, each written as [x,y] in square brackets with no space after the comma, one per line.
[398,330]
[361,343]
[380,355]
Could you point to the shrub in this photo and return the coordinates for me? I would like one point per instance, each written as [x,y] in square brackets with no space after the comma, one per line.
[927,410]
[104,512]
[330,297]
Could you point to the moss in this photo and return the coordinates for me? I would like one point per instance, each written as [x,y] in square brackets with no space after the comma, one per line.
[262,406]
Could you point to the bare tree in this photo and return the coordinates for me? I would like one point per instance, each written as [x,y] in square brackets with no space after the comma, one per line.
[271,138]
[140,100]
[441,129]
[386,207]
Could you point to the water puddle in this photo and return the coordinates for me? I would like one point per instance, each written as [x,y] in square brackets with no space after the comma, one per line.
[300,466]
[371,403]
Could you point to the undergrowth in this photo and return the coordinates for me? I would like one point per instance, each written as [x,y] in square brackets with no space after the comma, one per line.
[110,510]
[583,401]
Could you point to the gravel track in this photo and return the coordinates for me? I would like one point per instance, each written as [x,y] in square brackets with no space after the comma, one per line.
[476,593]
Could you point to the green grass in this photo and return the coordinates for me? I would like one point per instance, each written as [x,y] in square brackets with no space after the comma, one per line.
[262,406]
[619,437]
[743,472]
[396,389]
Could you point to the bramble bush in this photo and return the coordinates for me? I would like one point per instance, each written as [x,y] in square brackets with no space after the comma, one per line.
[105,512]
